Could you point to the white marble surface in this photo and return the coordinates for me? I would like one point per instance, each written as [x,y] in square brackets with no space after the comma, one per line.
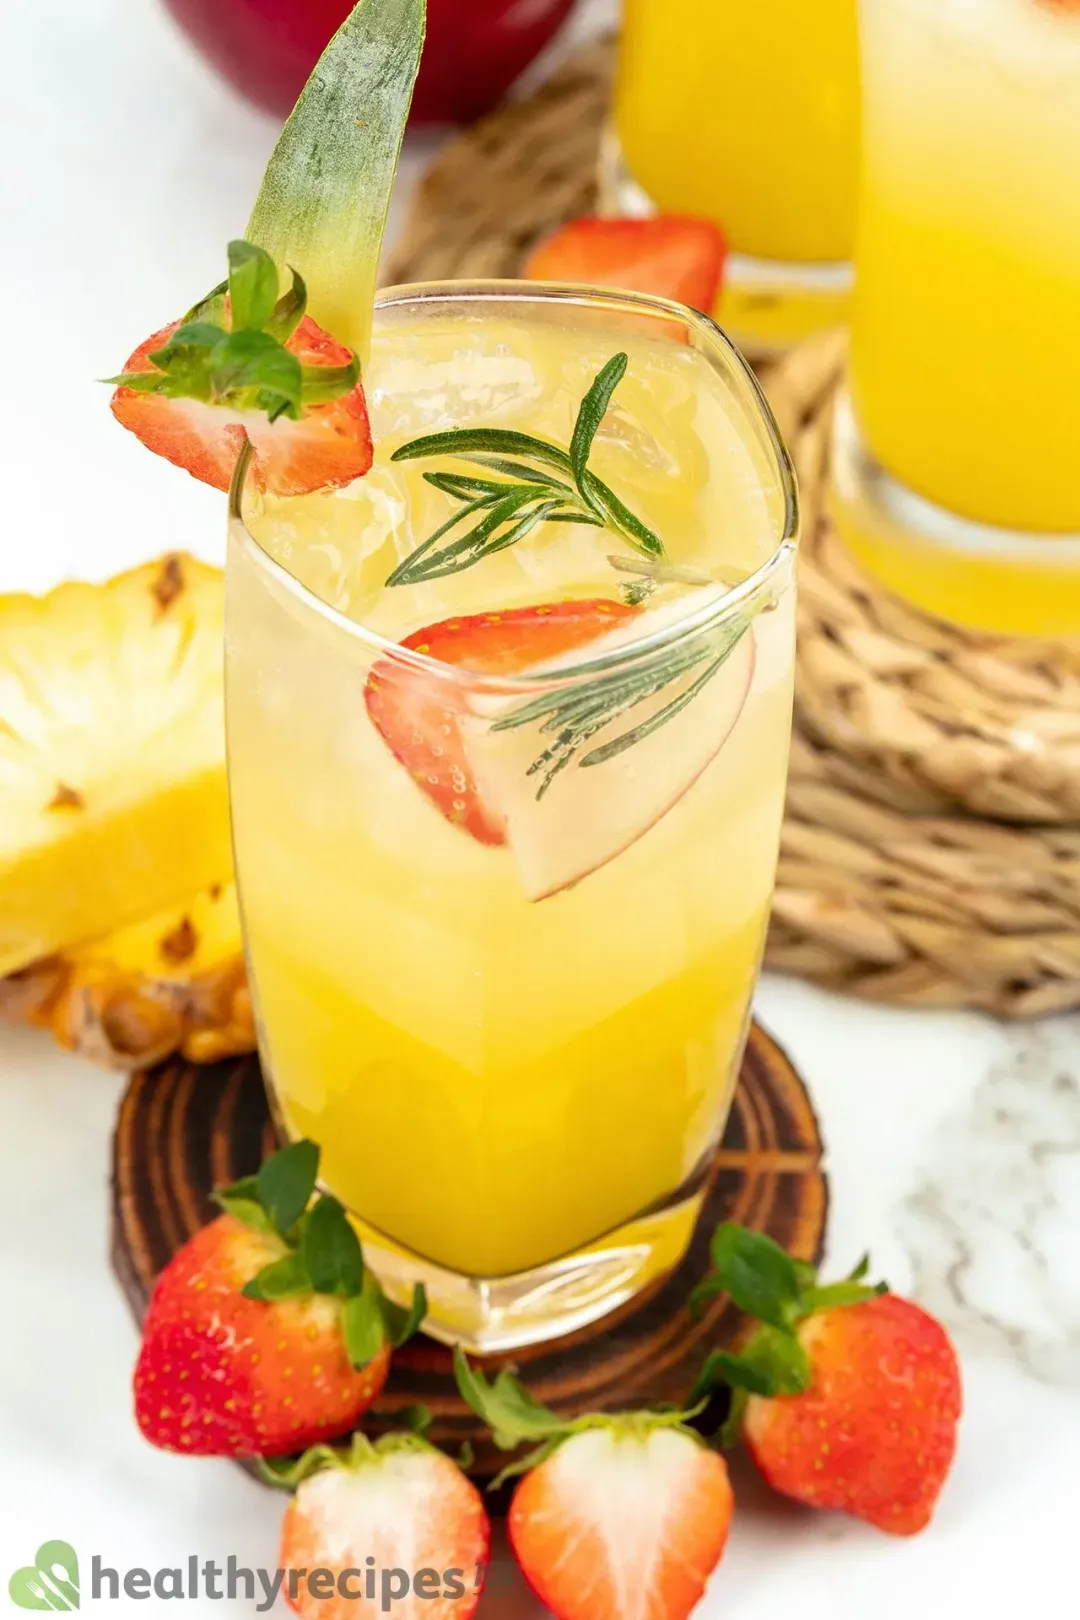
[953,1144]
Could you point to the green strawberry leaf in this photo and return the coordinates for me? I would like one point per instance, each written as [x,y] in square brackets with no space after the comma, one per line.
[322,383]
[253,286]
[362,1323]
[510,1412]
[840,1293]
[285,1183]
[289,311]
[211,308]
[721,1369]
[400,1323]
[244,1206]
[286,1473]
[190,335]
[757,1273]
[330,1249]
[700,1296]
[286,1278]
[417,1419]
[730,1432]
[806,1273]
[141,382]
[255,361]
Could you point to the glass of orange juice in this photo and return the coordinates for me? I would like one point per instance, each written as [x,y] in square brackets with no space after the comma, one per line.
[956,468]
[746,114]
[506,809]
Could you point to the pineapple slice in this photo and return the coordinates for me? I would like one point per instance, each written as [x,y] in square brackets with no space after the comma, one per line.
[112,756]
[172,983]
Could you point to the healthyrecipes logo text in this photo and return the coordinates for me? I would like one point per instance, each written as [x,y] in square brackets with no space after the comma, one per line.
[52,1582]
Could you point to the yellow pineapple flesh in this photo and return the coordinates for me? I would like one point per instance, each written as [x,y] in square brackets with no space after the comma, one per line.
[173,983]
[113,802]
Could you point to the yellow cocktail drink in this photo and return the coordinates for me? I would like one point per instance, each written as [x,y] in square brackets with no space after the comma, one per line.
[966,342]
[508,999]
[747,114]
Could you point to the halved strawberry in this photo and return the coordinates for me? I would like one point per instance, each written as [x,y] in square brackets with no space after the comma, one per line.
[390,1526]
[419,716]
[620,1516]
[670,255]
[244,365]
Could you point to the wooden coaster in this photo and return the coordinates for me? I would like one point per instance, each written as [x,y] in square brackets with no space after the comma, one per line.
[932,849]
[182,1130]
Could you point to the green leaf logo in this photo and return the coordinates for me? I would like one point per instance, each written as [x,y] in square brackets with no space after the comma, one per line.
[51,1581]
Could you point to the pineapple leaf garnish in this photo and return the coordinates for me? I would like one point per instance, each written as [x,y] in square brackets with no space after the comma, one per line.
[574,715]
[230,349]
[527,493]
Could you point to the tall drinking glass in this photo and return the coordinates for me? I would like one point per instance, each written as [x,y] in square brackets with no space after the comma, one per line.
[747,114]
[958,450]
[503,928]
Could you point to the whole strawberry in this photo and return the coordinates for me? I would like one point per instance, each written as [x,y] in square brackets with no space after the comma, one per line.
[846,1396]
[390,1525]
[620,1516]
[266,1332]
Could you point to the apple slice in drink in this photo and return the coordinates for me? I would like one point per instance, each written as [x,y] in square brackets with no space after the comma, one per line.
[563,821]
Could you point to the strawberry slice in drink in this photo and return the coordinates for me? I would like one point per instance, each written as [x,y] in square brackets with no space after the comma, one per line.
[565,796]
[420,716]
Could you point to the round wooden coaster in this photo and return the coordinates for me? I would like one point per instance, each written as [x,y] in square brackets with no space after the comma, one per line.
[182,1130]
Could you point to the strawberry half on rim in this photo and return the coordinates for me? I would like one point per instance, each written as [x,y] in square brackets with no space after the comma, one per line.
[245,365]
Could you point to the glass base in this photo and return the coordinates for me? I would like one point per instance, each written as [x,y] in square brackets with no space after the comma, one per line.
[767,305]
[972,574]
[486,1315]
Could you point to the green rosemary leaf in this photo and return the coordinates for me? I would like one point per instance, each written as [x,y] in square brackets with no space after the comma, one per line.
[404,570]
[515,456]
[619,745]
[483,441]
[480,541]
[590,415]
[519,469]
[620,518]
[462,487]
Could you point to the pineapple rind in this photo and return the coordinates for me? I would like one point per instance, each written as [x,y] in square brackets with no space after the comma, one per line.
[170,983]
[113,800]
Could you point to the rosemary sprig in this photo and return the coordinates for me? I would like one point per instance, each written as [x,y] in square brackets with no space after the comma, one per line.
[574,715]
[527,492]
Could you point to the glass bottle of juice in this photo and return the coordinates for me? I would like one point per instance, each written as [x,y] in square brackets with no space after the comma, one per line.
[956,477]
[747,115]
[506,810]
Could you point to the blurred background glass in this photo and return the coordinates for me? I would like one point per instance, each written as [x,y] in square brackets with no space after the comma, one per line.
[747,114]
[958,484]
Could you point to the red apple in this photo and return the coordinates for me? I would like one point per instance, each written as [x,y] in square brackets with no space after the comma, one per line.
[475,48]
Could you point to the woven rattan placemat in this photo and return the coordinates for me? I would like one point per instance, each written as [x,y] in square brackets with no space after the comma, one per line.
[931,852]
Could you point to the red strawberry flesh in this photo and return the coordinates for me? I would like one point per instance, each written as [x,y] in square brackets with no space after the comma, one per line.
[419,713]
[621,1524]
[670,256]
[328,447]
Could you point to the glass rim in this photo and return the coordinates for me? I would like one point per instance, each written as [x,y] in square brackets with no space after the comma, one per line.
[709,614]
